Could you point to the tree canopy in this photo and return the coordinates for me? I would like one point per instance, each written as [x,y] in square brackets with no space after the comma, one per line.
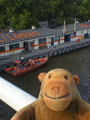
[22,14]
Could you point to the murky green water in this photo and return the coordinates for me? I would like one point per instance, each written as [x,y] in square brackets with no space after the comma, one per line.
[77,62]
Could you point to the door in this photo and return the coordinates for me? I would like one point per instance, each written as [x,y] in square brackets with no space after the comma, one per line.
[59,40]
[67,37]
[52,41]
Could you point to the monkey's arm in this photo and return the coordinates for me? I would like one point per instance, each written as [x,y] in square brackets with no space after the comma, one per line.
[26,113]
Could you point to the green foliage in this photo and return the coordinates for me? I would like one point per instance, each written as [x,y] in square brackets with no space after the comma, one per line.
[22,14]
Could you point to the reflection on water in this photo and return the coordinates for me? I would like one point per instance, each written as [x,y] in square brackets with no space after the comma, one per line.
[77,62]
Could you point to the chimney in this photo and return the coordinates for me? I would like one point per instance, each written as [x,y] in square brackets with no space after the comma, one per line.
[11,30]
[33,27]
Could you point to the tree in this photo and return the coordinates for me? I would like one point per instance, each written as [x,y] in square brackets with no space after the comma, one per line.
[22,14]
[3,15]
[82,11]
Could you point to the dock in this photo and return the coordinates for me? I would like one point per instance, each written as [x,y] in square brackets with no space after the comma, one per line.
[46,52]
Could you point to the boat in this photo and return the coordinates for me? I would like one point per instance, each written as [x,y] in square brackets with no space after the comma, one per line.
[20,68]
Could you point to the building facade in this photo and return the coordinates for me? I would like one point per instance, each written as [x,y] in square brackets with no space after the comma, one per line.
[38,38]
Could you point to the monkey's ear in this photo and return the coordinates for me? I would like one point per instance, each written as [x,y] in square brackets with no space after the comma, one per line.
[41,76]
[76,78]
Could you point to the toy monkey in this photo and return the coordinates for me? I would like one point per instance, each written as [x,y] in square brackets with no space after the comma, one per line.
[59,99]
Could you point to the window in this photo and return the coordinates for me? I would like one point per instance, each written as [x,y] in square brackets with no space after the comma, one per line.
[13,46]
[74,34]
[16,45]
[56,38]
[88,31]
[42,40]
[61,36]
[2,48]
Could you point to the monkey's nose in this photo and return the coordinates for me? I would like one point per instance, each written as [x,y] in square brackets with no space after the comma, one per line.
[56,89]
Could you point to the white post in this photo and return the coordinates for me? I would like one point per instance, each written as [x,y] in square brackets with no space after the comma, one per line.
[64,29]
[14,96]
[75,25]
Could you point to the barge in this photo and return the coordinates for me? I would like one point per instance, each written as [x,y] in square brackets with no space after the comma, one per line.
[15,42]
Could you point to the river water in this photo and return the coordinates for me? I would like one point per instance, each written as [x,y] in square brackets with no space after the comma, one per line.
[77,62]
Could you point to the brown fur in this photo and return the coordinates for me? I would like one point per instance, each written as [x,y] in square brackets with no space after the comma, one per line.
[59,99]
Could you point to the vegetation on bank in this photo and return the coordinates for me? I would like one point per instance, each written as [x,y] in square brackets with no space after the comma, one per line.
[22,14]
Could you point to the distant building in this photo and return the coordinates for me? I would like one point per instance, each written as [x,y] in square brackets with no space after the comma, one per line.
[43,24]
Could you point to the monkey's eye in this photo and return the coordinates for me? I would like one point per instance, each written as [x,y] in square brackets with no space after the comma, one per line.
[49,76]
[65,77]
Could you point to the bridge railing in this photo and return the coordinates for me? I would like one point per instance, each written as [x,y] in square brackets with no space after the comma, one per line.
[13,96]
